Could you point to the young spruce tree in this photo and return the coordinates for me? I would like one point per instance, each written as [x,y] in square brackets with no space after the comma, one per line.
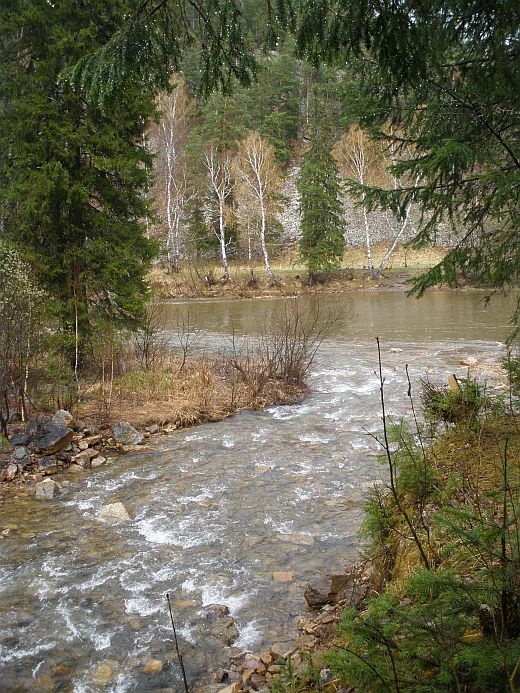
[72,176]
[322,242]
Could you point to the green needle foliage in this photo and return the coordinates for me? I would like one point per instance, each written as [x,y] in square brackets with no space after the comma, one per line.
[454,625]
[322,242]
[72,177]
[440,80]
[152,41]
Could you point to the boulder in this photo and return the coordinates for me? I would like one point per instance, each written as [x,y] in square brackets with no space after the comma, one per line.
[114,513]
[63,418]
[21,457]
[20,439]
[331,589]
[54,438]
[98,461]
[219,624]
[46,489]
[233,688]
[48,465]
[9,472]
[37,425]
[125,434]
[85,457]
[92,440]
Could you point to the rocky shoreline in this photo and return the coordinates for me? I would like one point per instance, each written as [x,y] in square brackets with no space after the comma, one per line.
[49,445]
[327,597]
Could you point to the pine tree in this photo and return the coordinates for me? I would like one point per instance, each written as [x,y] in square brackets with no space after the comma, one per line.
[322,242]
[445,75]
[72,178]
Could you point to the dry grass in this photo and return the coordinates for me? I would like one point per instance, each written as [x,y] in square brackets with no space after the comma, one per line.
[205,389]
[205,280]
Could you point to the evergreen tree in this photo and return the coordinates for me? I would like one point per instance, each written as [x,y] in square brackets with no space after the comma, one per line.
[445,76]
[72,178]
[322,242]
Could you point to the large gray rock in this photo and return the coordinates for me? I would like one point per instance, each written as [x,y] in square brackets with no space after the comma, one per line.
[46,489]
[37,426]
[114,513]
[21,457]
[20,439]
[63,418]
[331,589]
[54,438]
[126,434]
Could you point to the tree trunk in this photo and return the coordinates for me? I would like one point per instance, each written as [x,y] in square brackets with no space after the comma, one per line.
[368,242]
[222,238]
[268,269]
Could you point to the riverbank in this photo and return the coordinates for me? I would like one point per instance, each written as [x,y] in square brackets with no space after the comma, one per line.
[440,607]
[204,280]
[114,416]
[242,513]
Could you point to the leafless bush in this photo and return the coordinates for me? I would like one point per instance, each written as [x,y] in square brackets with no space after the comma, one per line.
[285,351]
[150,340]
[290,345]
[188,335]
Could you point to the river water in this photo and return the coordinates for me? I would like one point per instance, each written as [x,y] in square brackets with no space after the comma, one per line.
[242,512]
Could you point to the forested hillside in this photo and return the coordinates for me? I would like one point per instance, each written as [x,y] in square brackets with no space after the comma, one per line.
[228,169]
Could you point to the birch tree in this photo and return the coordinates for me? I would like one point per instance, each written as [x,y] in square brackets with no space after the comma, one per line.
[358,158]
[364,163]
[172,191]
[218,166]
[260,183]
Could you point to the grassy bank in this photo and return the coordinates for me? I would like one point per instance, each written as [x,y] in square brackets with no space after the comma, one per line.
[204,388]
[158,387]
[443,546]
[203,280]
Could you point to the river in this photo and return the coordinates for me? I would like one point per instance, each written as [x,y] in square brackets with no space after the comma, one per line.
[241,512]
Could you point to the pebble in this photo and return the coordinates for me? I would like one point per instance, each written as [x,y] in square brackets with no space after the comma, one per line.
[154,666]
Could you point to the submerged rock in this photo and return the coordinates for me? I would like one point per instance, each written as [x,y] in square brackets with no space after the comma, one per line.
[106,672]
[125,434]
[114,512]
[218,624]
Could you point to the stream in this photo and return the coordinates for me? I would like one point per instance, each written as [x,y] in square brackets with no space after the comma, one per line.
[242,512]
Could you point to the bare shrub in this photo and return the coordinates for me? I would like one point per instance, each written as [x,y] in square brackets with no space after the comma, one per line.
[290,345]
[188,336]
[20,327]
[150,340]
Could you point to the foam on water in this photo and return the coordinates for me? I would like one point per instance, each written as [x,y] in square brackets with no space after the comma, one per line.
[249,635]
[10,653]
[279,526]
[144,606]
[312,438]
